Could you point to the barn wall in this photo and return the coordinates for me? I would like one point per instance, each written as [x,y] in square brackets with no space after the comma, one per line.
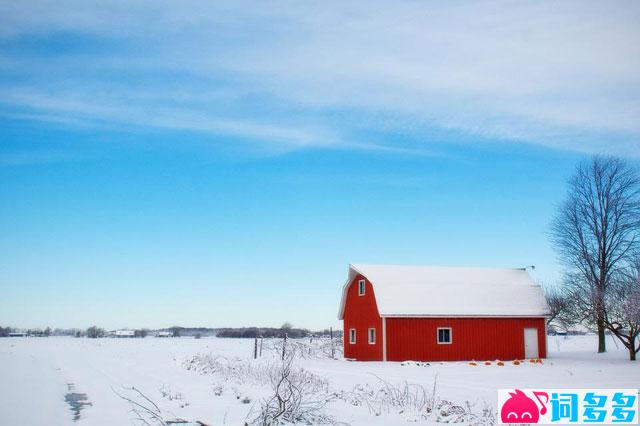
[361,313]
[473,338]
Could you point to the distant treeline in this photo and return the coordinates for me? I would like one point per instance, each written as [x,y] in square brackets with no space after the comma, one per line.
[190,331]
[291,332]
[5,331]
[251,332]
[242,332]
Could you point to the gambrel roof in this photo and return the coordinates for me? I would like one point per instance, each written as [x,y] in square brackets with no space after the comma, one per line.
[425,291]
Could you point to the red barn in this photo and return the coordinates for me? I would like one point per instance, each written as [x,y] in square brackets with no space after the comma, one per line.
[425,313]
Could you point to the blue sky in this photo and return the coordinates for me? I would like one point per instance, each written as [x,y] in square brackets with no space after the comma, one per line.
[221,164]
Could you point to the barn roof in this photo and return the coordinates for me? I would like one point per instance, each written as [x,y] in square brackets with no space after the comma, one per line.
[451,291]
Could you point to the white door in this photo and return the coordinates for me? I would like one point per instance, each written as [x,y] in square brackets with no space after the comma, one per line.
[531,343]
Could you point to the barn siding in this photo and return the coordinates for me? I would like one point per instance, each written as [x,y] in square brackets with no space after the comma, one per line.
[361,313]
[473,338]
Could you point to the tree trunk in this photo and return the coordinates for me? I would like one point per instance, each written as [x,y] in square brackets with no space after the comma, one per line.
[602,344]
[632,354]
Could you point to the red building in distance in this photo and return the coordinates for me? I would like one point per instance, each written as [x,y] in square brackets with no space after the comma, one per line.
[430,313]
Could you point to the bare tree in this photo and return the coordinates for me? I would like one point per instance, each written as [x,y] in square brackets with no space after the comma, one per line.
[622,316]
[297,396]
[560,303]
[596,228]
[94,332]
[143,332]
[145,410]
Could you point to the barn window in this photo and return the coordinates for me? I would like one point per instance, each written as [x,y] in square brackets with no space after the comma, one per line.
[372,336]
[352,336]
[361,287]
[444,336]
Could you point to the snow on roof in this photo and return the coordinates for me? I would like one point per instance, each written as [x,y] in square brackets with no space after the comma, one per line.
[451,291]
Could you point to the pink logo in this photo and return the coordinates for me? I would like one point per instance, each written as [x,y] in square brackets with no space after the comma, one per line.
[519,408]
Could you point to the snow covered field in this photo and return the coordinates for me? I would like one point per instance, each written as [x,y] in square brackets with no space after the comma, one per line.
[36,374]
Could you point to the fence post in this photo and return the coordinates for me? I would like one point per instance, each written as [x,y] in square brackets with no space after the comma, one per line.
[261,339]
[331,337]
[255,348]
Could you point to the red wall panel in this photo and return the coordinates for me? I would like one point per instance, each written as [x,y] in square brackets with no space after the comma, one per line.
[361,313]
[473,338]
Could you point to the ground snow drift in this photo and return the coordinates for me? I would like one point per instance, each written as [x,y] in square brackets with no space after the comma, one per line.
[216,381]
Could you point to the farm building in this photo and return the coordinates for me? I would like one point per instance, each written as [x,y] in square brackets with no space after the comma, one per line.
[425,313]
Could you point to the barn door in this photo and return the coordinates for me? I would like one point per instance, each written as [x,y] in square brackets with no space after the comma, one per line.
[531,343]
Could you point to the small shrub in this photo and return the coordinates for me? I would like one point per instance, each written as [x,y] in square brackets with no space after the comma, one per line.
[166,392]
[448,412]
[298,396]
[321,347]
[218,390]
[416,404]
[409,399]
[234,370]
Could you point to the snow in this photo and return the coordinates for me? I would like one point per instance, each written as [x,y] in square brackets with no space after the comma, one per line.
[35,373]
[451,291]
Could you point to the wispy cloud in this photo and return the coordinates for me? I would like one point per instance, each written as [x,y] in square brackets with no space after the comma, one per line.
[35,158]
[564,75]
